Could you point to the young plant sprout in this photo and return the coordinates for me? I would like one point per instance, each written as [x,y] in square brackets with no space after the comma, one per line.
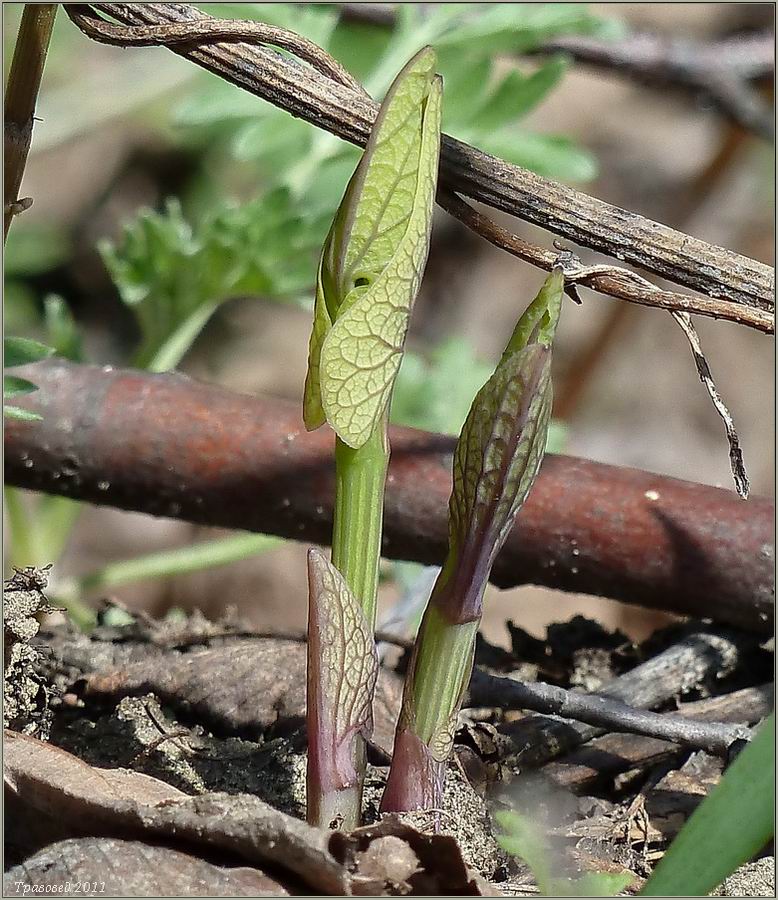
[496,461]
[368,277]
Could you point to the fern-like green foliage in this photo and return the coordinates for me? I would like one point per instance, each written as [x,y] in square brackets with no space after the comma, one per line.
[174,275]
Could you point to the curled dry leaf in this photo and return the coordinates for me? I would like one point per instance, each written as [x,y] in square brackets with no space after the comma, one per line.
[113,867]
[44,779]
[57,787]
[441,869]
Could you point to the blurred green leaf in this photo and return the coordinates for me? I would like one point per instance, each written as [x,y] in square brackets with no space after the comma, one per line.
[522,837]
[733,823]
[548,155]
[13,386]
[518,94]
[13,412]
[61,328]
[18,351]
[173,275]
[30,250]
[435,392]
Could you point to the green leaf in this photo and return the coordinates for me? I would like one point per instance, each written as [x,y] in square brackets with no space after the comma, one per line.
[13,386]
[516,27]
[539,320]
[496,461]
[522,837]
[548,155]
[342,672]
[733,823]
[499,452]
[61,328]
[13,412]
[173,275]
[18,351]
[373,259]
[518,94]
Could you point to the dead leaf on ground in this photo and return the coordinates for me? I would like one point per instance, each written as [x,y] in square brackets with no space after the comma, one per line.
[54,785]
[103,866]
[380,866]
[245,686]
[117,802]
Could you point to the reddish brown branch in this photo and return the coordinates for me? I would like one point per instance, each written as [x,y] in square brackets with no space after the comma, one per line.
[169,446]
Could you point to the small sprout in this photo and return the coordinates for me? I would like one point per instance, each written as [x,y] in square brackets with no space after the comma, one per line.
[368,278]
[496,461]
[342,672]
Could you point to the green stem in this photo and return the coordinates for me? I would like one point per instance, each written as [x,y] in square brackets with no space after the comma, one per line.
[444,661]
[434,685]
[359,514]
[173,562]
[173,350]
[360,478]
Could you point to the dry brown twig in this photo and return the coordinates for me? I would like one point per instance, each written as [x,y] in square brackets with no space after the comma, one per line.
[740,289]
[607,279]
[718,71]
[21,94]
[703,370]
[602,712]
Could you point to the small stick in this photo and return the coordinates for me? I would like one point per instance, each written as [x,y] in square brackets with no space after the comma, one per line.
[611,754]
[603,712]
[614,281]
[669,674]
[703,370]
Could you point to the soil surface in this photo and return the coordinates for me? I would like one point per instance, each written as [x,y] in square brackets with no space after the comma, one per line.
[212,714]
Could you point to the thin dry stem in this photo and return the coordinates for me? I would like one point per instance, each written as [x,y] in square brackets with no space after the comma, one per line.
[740,289]
[21,94]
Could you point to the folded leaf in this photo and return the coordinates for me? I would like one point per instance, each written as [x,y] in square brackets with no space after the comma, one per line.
[542,314]
[373,260]
[342,672]
[495,464]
